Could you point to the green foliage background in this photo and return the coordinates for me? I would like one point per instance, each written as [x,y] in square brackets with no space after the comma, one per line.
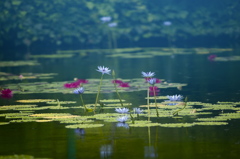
[78,21]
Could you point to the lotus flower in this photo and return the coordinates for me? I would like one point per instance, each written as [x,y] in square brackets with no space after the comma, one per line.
[117,81]
[122,110]
[137,110]
[104,70]
[6,93]
[79,90]
[124,85]
[111,25]
[148,74]
[75,84]
[105,19]
[175,97]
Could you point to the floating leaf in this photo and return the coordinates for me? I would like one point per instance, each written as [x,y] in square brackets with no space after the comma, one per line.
[84,126]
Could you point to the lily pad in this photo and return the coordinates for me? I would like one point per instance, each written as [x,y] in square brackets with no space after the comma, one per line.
[84,126]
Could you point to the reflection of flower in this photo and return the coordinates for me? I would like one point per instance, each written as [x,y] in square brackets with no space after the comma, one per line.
[212,57]
[79,90]
[6,93]
[167,23]
[103,70]
[20,77]
[80,131]
[175,97]
[137,110]
[149,152]
[112,25]
[105,19]
[153,89]
[106,151]
[148,74]
[75,84]
[122,110]
[122,124]
[122,119]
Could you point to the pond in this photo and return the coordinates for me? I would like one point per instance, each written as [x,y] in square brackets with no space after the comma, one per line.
[44,119]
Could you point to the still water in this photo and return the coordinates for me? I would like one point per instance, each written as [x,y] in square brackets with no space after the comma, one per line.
[207,81]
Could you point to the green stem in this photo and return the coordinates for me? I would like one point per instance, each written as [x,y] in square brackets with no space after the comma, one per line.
[99,88]
[83,102]
[155,98]
[115,86]
[185,104]
[148,100]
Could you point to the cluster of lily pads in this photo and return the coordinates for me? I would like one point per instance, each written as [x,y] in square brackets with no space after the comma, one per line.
[171,106]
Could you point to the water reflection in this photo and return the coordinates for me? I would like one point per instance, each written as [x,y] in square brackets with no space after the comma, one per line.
[80,132]
[106,151]
[149,152]
[120,124]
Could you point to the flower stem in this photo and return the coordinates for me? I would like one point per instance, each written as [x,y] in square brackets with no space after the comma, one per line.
[185,104]
[99,88]
[83,102]
[155,98]
[148,100]
[115,86]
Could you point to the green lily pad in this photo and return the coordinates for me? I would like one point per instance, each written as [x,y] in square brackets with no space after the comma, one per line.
[84,126]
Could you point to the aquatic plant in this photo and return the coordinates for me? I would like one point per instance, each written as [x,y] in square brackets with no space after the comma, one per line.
[122,110]
[175,97]
[152,81]
[111,25]
[6,93]
[185,104]
[106,19]
[138,110]
[75,84]
[148,75]
[119,97]
[80,91]
[103,70]
[117,81]
[124,85]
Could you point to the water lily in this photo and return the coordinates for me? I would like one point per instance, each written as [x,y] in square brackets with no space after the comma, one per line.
[152,81]
[148,74]
[122,110]
[137,110]
[104,70]
[175,97]
[111,25]
[117,81]
[122,119]
[124,85]
[6,93]
[79,90]
[167,23]
[106,19]
[75,84]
